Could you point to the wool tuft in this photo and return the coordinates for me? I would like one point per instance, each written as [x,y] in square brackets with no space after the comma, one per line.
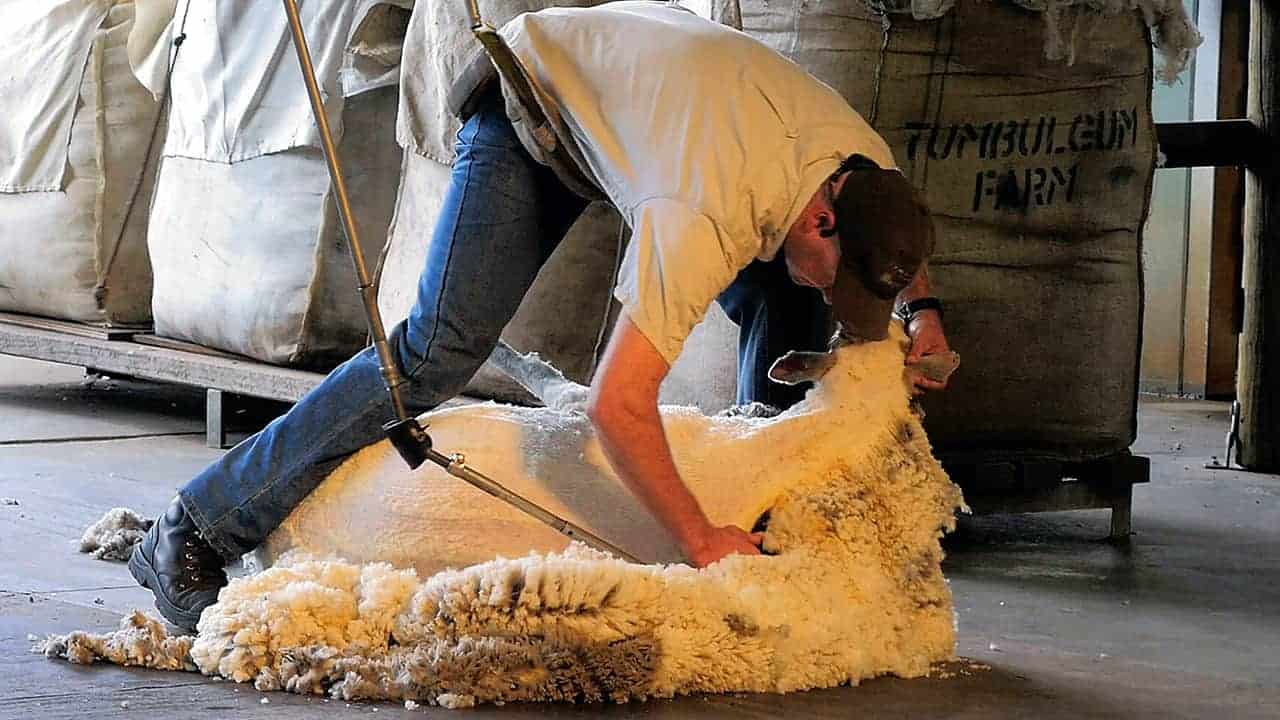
[113,536]
[140,641]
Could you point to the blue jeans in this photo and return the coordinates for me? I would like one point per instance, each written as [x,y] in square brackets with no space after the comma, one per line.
[503,215]
[774,315]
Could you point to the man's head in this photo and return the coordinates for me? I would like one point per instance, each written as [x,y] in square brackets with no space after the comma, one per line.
[860,240]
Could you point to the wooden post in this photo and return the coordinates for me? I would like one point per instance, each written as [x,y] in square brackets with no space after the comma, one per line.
[1259,389]
[1227,236]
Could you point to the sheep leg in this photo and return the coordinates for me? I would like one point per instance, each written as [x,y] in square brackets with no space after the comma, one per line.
[539,377]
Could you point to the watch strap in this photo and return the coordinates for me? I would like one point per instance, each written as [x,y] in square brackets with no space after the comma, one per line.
[908,310]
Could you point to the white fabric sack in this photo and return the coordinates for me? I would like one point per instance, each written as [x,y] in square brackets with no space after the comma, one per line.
[706,373]
[440,46]
[246,242]
[73,139]
[54,40]
[248,98]
[150,41]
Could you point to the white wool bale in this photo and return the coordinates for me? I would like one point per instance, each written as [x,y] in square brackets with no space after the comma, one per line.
[73,143]
[438,49]
[245,238]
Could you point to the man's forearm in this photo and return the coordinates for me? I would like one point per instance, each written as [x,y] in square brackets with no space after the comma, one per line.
[636,445]
[624,409]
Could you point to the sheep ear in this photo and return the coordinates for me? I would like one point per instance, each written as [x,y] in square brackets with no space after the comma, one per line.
[797,367]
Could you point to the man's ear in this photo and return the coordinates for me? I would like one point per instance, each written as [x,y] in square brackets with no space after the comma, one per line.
[825,223]
[797,367]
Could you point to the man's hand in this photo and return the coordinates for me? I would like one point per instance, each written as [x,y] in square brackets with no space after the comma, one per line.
[721,541]
[927,338]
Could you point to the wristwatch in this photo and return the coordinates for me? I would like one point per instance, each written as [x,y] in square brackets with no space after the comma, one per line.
[907,311]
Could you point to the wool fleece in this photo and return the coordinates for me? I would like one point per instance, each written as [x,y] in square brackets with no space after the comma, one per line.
[852,587]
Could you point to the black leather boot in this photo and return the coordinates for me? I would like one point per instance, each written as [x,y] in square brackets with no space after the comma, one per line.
[175,563]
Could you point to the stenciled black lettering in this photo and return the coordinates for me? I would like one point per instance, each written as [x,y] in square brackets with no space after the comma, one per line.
[1009,138]
[1071,134]
[914,131]
[1091,135]
[1008,194]
[944,152]
[967,134]
[1114,132]
[1024,189]
[987,146]
[1028,150]
[1067,179]
[981,188]
[1037,182]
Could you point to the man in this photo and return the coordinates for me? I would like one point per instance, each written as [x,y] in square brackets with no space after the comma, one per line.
[741,177]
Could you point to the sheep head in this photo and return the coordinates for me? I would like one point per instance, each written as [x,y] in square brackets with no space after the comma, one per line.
[848,359]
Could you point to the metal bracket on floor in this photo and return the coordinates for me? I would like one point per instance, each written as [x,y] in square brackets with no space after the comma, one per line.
[215,419]
[1231,455]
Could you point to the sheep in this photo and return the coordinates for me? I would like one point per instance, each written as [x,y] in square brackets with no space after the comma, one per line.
[373,509]
[853,588]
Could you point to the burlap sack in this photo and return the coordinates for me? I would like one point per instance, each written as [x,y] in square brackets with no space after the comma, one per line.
[1038,173]
[73,209]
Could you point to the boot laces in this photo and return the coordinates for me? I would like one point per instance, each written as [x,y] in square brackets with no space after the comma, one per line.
[201,562]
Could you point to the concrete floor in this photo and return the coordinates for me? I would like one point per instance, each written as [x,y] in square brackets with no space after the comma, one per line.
[1183,624]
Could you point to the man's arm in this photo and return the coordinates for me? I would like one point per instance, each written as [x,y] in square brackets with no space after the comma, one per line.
[624,410]
[925,329]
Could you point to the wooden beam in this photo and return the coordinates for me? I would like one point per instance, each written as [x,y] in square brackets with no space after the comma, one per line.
[1062,496]
[1259,384]
[101,332]
[1209,143]
[243,377]
[184,363]
[1030,486]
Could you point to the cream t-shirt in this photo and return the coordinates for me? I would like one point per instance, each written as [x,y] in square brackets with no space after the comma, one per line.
[708,142]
